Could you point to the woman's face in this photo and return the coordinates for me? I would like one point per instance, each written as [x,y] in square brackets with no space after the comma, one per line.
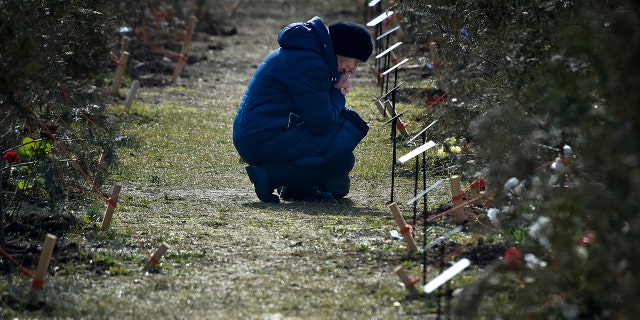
[347,65]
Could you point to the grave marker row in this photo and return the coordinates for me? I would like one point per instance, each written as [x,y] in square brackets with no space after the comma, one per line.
[386,105]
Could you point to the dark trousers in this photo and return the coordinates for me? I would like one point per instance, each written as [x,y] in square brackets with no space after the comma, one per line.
[332,177]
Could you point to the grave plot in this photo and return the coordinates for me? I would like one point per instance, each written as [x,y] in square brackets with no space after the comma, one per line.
[448,242]
[157,40]
[469,212]
[69,252]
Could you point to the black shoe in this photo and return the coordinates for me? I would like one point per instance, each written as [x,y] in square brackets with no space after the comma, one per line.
[307,193]
[263,188]
[337,186]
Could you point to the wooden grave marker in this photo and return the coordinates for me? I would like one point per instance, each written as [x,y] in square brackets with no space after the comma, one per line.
[186,49]
[155,259]
[132,93]
[406,280]
[41,272]
[405,230]
[402,126]
[111,207]
[381,108]
[122,67]
[456,195]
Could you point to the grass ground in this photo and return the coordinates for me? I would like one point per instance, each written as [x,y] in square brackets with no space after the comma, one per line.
[230,255]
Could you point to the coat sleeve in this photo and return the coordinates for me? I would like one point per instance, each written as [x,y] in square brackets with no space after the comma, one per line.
[317,102]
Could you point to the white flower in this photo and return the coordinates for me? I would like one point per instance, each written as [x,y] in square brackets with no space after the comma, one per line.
[533,262]
[558,166]
[567,151]
[493,215]
[511,184]
[538,231]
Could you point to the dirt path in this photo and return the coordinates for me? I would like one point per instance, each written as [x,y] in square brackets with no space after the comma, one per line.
[229,61]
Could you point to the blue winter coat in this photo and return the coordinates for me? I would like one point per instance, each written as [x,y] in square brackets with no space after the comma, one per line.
[290,113]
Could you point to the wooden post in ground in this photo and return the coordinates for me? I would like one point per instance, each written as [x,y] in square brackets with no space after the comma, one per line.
[456,195]
[400,125]
[234,8]
[122,66]
[186,48]
[435,60]
[406,280]
[111,207]
[405,229]
[132,93]
[381,108]
[155,259]
[43,265]
[125,44]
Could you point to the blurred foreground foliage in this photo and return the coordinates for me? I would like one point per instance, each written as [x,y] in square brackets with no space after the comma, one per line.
[53,114]
[56,60]
[546,90]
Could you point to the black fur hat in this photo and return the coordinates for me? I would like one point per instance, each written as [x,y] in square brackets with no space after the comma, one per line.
[351,40]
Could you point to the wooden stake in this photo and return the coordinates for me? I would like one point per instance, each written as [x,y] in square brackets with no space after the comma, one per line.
[401,125]
[122,66]
[405,230]
[132,93]
[456,195]
[434,54]
[186,48]
[43,265]
[125,44]
[182,61]
[381,108]
[111,207]
[408,283]
[435,60]
[155,259]
[234,8]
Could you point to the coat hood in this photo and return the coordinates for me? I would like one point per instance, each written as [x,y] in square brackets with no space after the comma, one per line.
[313,36]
